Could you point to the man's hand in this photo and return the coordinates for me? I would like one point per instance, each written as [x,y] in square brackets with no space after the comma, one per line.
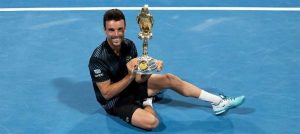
[155,64]
[131,67]
[160,65]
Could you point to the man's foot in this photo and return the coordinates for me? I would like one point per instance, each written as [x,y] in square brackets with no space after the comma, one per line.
[227,103]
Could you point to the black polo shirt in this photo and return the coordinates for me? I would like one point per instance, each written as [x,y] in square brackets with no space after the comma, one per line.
[104,64]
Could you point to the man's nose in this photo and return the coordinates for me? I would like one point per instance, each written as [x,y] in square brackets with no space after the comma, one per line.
[116,33]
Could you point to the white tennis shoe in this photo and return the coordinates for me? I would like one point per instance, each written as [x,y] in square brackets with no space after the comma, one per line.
[227,103]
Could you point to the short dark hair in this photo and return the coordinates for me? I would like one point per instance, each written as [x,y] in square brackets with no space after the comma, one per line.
[113,14]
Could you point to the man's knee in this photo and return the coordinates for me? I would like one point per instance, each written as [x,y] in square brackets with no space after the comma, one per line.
[151,123]
[171,77]
[144,120]
[173,80]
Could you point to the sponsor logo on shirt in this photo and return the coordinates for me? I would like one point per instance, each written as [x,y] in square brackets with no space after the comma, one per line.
[98,73]
[128,58]
[127,119]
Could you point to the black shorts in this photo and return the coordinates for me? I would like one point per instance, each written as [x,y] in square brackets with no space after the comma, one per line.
[129,100]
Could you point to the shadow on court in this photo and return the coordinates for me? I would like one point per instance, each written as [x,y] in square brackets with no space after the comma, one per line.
[77,95]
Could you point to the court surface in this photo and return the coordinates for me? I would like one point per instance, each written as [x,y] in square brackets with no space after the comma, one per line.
[45,85]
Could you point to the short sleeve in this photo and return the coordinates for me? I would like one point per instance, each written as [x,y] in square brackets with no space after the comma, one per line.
[98,70]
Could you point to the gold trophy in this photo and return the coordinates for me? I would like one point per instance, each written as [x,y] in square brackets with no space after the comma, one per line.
[146,64]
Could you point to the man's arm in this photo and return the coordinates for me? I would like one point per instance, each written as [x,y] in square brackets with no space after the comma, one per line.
[109,90]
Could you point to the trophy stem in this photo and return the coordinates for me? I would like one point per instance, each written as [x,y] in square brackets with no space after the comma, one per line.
[145,46]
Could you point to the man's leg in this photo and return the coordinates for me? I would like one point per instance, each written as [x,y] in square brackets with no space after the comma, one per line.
[158,82]
[136,115]
[147,103]
[220,104]
[143,118]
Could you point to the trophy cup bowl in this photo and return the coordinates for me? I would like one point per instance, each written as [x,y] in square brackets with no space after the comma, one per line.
[146,64]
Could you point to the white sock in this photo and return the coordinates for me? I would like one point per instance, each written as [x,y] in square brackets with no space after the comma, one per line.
[148,102]
[210,97]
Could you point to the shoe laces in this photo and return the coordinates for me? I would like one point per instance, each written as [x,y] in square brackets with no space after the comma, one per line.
[226,98]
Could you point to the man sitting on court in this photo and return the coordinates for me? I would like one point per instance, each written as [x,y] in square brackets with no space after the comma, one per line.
[128,95]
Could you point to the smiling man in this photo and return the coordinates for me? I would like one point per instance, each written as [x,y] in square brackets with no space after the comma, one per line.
[128,95]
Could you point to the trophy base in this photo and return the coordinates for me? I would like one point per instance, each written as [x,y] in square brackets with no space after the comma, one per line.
[146,65]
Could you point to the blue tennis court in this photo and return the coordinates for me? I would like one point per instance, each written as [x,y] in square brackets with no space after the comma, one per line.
[46,87]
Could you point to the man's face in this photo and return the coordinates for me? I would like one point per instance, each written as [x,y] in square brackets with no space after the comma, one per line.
[115,32]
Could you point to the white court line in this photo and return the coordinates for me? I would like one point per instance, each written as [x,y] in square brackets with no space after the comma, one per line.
[152,8]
